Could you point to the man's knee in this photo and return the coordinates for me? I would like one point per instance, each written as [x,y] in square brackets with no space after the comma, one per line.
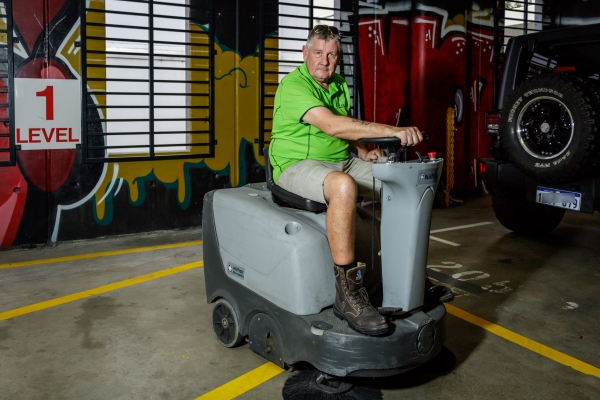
[339,185]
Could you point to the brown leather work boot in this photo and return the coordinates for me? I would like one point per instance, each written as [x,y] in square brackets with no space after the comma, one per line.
[352,302]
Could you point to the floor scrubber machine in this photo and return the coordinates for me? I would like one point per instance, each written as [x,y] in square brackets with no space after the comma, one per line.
[269,272]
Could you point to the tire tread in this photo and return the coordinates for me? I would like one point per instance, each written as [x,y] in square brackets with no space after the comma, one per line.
[585,155]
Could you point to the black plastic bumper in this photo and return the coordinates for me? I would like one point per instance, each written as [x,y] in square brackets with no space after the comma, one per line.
[500,175]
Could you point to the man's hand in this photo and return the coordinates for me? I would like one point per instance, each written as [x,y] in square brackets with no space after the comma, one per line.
[408,135]
[372,155]
[363,152]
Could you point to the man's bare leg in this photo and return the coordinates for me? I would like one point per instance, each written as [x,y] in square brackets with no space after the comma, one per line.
[351,298]
[340,191]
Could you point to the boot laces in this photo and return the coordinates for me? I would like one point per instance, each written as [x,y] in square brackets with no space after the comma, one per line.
[360,298]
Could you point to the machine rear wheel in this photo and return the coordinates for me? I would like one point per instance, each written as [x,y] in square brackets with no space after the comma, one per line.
[226,324]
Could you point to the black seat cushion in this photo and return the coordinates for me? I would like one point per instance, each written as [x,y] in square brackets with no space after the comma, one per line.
[285,198]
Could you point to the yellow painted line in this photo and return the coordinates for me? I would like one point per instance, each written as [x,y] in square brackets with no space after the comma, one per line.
[244,383]
[527,343]
[99,254]
[96,291]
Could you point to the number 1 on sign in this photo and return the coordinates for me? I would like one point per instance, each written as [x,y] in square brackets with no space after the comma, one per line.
[48,93]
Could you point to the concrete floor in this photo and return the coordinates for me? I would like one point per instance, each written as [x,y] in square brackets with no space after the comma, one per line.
[154,340]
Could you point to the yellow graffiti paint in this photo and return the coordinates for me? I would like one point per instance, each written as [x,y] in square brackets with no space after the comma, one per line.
[236,83]
[169,172]
[237,108]
[19,49]
[94,61]
[459,20]
[3,27]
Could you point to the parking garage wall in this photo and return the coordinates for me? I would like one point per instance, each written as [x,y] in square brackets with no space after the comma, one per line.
[417,59]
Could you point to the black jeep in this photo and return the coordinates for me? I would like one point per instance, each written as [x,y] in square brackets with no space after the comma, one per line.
[546,147]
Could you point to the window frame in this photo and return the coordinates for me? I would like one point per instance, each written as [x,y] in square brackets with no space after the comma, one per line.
[9,80]
[94,153]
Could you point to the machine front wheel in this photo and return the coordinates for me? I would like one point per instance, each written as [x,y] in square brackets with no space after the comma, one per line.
[226,324]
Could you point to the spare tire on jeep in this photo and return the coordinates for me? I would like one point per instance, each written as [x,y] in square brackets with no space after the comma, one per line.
[549,127]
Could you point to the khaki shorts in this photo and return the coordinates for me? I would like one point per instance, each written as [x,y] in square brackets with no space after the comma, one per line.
[305,178]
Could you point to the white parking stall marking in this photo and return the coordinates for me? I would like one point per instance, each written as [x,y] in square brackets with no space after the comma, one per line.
[461,282]
[461,227]
[498,287]
[443,241]
[446,265]
[460,275]
[570,306]
[453,229]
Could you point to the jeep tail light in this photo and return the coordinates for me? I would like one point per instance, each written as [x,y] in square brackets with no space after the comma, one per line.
[492,123]
[565,68]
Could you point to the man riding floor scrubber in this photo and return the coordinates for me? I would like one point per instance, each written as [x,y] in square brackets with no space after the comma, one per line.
[267,270]
[269,252]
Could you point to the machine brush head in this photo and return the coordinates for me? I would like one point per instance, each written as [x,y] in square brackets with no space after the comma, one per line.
[316,385]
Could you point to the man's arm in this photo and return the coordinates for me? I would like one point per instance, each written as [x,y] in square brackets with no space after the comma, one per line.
[353,129]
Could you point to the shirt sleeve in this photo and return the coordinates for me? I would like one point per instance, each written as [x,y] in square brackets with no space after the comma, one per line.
[297,97]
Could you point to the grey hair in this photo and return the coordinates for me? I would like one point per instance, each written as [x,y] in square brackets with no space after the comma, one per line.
[324,32]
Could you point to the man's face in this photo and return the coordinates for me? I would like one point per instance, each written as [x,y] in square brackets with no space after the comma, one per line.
[321,59]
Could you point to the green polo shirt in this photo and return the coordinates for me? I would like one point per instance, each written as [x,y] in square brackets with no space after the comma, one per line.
[294,140]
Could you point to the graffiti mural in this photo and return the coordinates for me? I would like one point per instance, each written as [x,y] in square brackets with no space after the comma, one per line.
[438,75]
[52,195]
[415,61]
[384,48]
[418,58]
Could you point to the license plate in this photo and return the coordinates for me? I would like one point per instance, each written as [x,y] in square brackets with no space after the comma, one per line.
[558,198]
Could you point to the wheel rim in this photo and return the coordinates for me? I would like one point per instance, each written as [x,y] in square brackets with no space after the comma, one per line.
[545,128]
[224,324]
